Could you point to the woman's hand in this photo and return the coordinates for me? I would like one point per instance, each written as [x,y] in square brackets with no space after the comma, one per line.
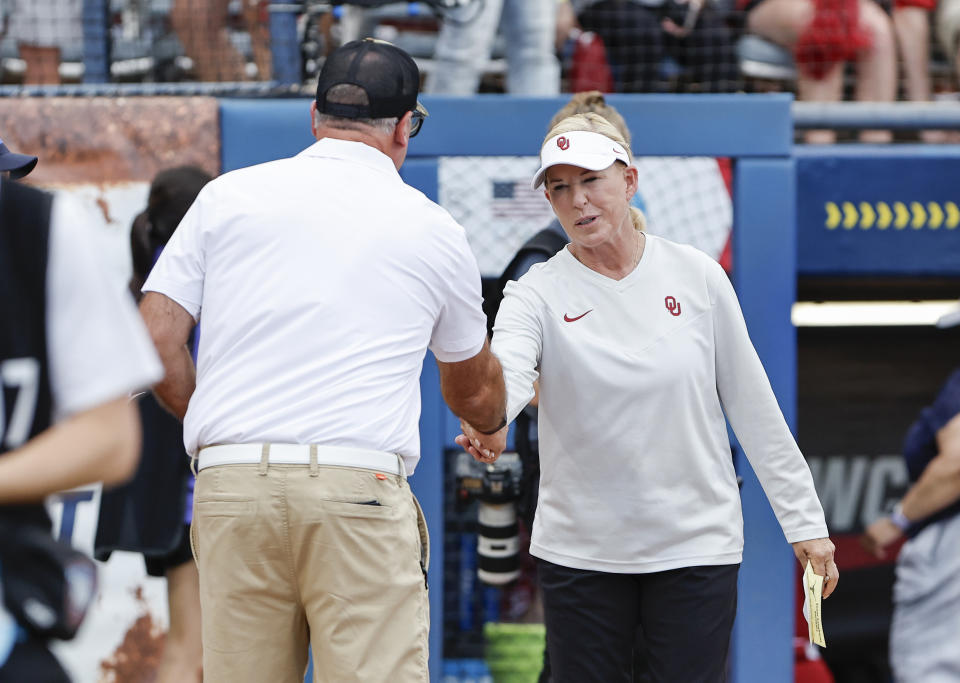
[819,551]
[485,448]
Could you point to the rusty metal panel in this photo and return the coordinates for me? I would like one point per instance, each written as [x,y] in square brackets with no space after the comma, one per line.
[92,140]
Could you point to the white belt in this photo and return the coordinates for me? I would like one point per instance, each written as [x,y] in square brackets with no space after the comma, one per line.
[299,454]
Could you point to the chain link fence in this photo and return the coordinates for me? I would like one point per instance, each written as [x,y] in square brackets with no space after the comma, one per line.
[55,42]
[609,45]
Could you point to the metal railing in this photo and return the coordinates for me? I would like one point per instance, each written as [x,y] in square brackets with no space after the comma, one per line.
[874,115]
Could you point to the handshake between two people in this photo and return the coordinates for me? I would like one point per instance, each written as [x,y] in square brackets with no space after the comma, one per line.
[485,448]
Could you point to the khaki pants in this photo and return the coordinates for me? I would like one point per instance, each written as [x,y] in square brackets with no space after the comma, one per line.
[291,555]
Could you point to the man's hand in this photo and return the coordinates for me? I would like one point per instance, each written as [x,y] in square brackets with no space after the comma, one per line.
[879,536]
[819,551]
[485,448]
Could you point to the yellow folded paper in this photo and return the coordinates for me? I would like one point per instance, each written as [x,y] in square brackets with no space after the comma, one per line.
[812,597]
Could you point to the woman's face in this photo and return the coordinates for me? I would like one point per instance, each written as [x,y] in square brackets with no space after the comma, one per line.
[592,206]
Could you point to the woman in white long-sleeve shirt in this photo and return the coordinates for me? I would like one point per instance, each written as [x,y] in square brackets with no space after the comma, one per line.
[640,349]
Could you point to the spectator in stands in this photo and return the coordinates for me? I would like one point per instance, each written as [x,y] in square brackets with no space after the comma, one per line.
[43,29]
[825,35]
[201,26]
[640,350]
[466,40]
[926,594]
[583,56]
[947,27]
[647,40]
[911,21]
[948,31]
[71,349]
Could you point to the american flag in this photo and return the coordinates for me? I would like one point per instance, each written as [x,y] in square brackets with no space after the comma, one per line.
[514,200]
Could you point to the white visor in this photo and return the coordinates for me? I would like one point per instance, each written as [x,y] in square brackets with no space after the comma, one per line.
[582,148]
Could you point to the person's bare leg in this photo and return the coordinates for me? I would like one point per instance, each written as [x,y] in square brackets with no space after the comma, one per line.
[188,20]
[913,38]
[201,26]
[182,660]
[877,65]
[259,28]
[912,27]
[782,22]
[826,89]
[43,64]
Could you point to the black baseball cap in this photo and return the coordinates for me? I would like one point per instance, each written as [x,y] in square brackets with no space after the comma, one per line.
[19,165]
[386,73]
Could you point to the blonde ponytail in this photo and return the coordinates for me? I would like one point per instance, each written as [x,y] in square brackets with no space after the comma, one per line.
[593,101]
[638,219]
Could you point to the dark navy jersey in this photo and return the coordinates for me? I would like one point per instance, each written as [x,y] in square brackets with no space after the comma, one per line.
[26,405]
[920,444]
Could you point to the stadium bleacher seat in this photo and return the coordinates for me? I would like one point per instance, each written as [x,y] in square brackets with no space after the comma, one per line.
[763,59]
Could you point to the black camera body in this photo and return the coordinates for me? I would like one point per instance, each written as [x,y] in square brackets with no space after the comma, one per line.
[496,487]
[47,585]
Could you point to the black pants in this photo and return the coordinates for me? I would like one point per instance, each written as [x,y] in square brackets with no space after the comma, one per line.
[685,617]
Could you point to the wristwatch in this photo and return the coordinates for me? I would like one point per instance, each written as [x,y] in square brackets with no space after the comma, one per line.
[503,423]
[898,518]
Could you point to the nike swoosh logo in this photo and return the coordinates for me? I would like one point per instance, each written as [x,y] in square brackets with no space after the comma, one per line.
[568,319]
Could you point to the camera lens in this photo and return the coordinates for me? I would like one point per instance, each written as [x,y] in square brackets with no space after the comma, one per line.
[498,545]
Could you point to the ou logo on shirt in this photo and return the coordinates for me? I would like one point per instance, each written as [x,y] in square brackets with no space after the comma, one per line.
[672,305]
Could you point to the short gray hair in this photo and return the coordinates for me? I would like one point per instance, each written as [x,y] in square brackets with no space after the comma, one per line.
[346,93]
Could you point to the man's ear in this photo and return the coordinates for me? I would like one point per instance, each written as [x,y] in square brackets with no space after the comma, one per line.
[313,118]
[401,134]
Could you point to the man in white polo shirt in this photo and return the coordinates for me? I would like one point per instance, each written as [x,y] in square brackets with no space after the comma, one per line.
[320,280]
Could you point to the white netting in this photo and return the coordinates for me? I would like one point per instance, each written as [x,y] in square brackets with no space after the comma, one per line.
[685,199]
